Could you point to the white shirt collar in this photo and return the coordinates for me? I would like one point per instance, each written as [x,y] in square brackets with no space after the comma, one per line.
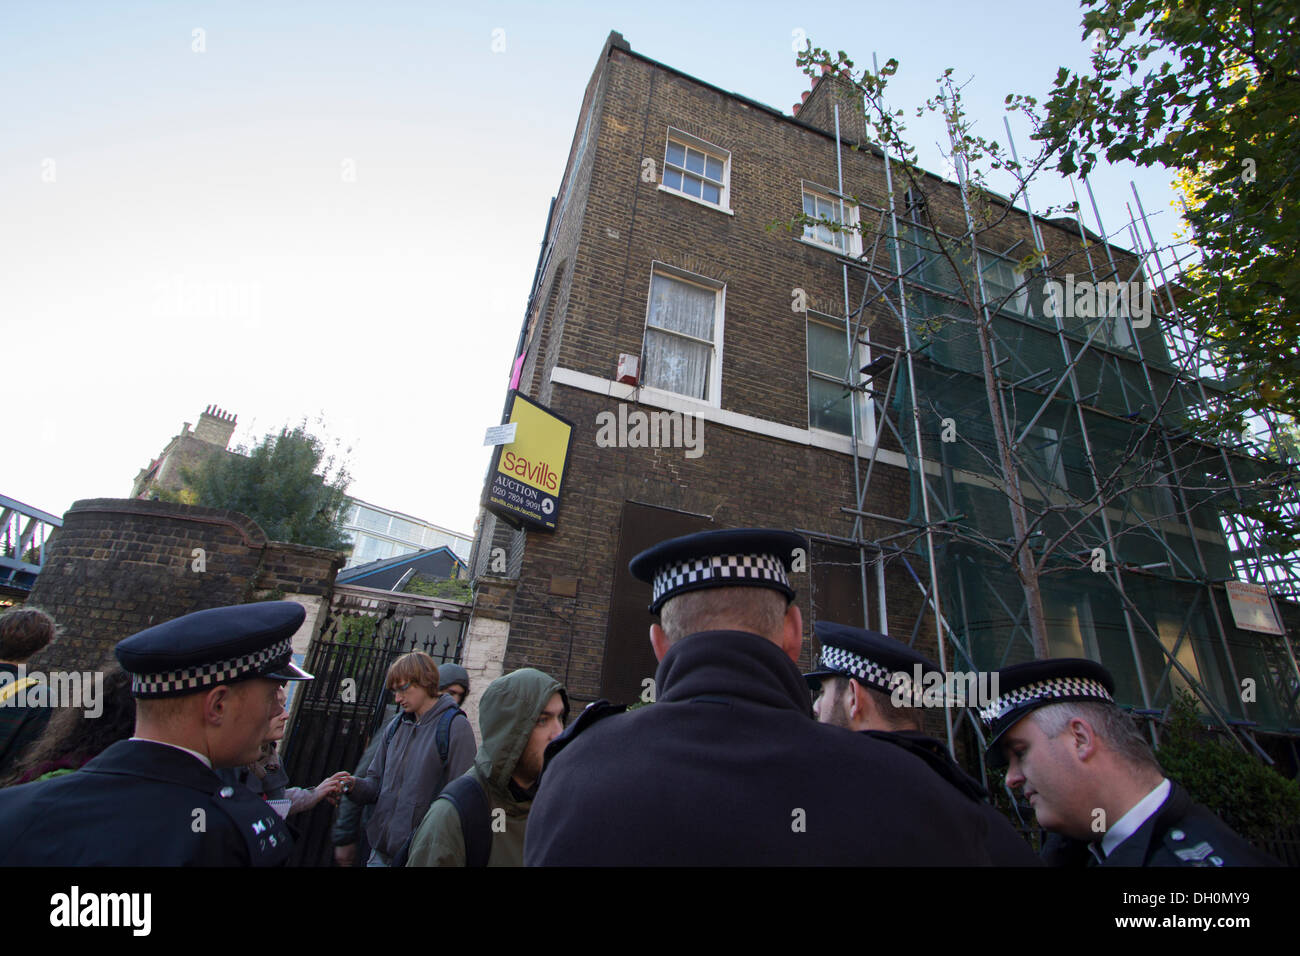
[1140,812]
[193,753]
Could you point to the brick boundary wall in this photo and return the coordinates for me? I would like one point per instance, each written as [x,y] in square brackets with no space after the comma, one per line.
[119,565]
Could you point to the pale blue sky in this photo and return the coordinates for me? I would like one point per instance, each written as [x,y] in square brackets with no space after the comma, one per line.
[176,228]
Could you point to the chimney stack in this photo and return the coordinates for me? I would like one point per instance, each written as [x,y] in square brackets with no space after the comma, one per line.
[215,426]
[817,107]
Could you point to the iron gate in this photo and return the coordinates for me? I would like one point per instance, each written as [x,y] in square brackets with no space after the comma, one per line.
[337,713]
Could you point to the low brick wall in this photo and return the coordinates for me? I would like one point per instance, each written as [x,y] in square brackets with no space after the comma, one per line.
[119,565]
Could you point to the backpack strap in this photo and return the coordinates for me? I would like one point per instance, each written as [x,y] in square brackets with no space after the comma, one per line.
[442,734]
[471,803]
[391,730]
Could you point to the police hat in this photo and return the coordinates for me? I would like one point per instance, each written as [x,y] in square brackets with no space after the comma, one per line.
[870,657]
[221,645]
[745,557]
[1025,687]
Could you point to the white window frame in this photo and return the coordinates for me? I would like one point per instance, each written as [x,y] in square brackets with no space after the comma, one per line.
[714,396]
[862,405]
[853,238]
[688,141]
[1018,304]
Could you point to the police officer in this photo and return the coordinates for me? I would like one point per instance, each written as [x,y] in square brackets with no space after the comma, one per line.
[207,690]
[727,766]
[868,682]
[1091,777]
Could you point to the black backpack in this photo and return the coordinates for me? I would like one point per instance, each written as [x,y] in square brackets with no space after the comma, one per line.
[471,803]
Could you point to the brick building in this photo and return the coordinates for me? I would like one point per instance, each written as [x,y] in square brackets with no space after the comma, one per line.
[186,452]
[659,247]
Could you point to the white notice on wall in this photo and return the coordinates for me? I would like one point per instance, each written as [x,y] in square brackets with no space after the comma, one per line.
[1252,608]
[501,434]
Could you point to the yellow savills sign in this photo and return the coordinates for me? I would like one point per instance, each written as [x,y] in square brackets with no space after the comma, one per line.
[527,475]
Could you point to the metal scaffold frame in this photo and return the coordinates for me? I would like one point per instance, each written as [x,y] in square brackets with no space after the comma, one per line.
[1104,508]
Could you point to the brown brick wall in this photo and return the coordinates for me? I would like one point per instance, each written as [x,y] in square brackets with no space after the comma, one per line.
[120,565]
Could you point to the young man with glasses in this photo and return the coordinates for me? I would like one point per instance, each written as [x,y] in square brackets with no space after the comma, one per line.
[428,746]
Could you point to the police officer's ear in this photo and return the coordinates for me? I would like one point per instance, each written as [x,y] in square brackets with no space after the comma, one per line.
[1083,739]
[659,641]
[217,705]
[792,632]
[861,706]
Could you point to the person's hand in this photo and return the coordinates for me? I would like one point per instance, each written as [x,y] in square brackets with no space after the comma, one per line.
[348,782]
[345,855]
[331,788]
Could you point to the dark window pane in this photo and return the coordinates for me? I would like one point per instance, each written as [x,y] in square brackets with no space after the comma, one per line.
[827,350]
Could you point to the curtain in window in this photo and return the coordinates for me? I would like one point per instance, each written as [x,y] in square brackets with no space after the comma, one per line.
[672,362]
[829,405]
[820,208]
[828,352]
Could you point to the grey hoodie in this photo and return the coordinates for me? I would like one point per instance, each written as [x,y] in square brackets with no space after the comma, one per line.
[406,776]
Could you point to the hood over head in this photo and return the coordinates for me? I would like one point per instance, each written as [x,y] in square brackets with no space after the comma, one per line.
[507,714]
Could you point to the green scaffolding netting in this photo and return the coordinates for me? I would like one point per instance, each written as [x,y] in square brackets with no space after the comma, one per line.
[1164,498]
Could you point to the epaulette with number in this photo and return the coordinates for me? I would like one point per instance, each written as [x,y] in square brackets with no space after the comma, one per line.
[266,836]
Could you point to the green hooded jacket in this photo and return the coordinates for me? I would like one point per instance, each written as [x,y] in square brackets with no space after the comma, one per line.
[507,715]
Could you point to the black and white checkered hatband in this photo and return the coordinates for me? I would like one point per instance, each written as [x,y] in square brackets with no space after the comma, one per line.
[1055,690]
[716,570]
[868,671]
[189,679]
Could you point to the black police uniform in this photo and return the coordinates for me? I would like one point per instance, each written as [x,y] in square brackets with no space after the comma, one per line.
[880,662]
[1179,833]
[139,803]
[1005,846]
[728,768]
[145,803]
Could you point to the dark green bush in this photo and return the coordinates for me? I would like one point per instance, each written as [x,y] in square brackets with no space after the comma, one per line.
[1248,795]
